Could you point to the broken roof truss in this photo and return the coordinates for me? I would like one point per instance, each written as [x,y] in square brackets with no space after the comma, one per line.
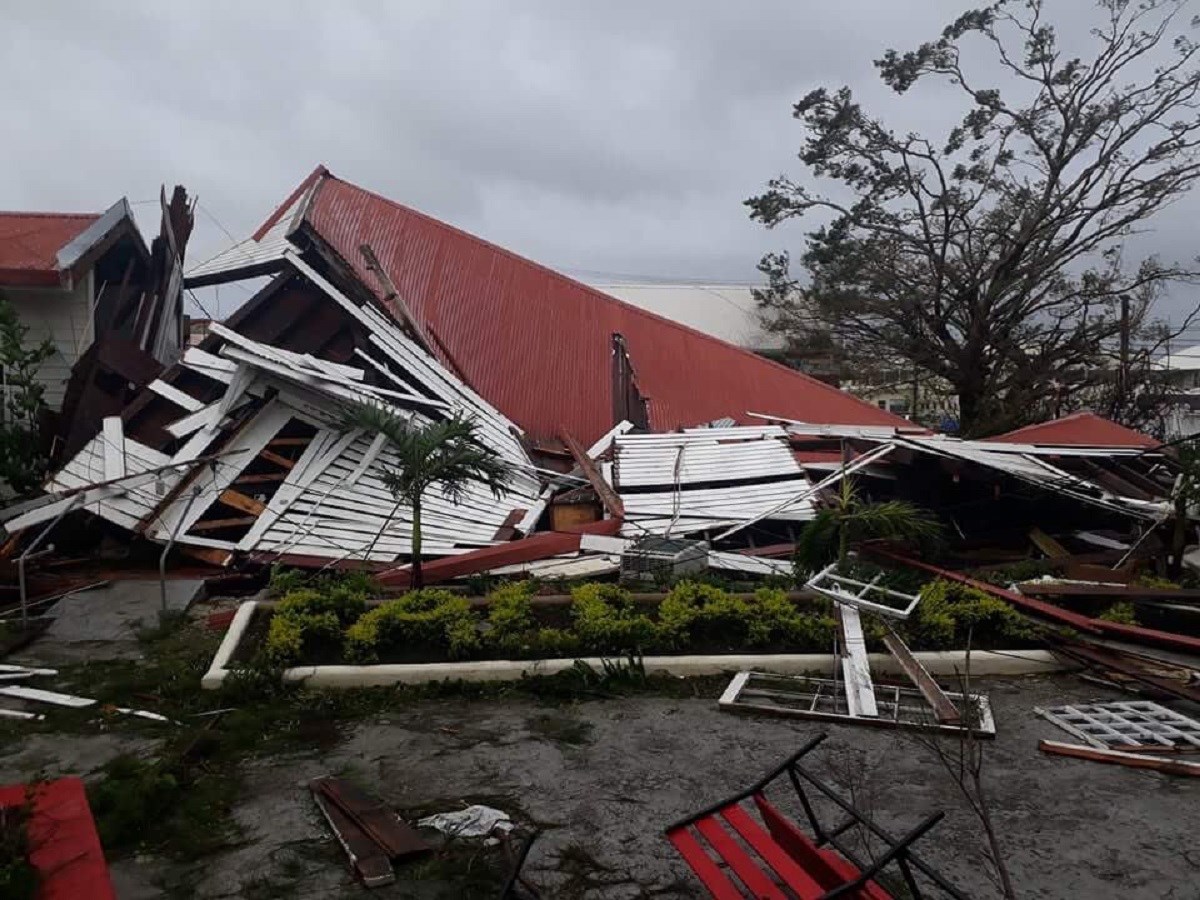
[240,448]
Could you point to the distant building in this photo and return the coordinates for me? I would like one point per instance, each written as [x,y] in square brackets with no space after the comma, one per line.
[1182,370]
[62,273]
[724,311]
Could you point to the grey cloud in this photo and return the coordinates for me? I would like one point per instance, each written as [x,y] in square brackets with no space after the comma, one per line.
[617,137]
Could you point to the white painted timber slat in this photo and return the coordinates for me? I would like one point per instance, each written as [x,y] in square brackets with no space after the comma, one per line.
[856,668]
[175,395]
[114,448]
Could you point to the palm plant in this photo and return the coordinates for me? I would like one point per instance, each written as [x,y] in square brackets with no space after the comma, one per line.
[443,453]
[853,519]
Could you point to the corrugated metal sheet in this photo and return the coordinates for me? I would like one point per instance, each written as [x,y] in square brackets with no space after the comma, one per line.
[1080,429]
[249,255]
[537,344]
[706,479]
[29,244]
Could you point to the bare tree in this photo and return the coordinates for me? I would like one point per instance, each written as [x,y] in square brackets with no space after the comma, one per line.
[962,757]
[991,257]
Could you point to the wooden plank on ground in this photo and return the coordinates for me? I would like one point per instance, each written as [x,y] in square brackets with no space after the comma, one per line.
[381,823]
[246,504]
[366,857]
[1121,758]
[856,668]
[947,713]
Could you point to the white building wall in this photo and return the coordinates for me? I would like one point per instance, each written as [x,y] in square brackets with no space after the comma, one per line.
[66,318]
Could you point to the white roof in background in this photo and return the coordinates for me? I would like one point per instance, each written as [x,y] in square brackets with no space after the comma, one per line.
[1182,360]
[724,311]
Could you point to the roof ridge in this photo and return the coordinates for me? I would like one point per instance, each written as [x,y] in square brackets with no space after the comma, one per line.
[31,214]
[815,382]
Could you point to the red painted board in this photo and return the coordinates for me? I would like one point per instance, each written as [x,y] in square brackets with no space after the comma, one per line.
[64,847]
[800,881]
[702,864]
[1134,633]
[538,546]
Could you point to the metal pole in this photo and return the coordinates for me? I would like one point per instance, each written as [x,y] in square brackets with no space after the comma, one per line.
[29,554]
[162,559]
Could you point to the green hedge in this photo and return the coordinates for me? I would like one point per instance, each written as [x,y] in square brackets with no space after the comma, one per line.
[332,621]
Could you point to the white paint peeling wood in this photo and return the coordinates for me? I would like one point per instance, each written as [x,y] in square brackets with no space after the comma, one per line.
[114,448]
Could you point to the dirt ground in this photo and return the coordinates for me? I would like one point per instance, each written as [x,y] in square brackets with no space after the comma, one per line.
[601,778]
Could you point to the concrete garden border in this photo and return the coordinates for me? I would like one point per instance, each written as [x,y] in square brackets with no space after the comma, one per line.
[984,663]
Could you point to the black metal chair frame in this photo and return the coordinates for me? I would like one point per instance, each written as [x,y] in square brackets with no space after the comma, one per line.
[898,849]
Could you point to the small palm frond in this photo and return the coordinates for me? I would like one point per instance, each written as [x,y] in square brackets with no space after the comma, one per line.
[897,519]
[444,452]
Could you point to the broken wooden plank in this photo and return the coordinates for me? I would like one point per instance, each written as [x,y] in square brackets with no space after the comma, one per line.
[856,668]
[266,478]
[290,442]
[238,500]
[944,709]
[273,457]
[603,489]
[381,823]
[1121,758]
[39,696]
[216,524]
[366,858]
[1047,544]
[175,395]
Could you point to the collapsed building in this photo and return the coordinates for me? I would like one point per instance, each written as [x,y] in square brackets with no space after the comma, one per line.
[621,427]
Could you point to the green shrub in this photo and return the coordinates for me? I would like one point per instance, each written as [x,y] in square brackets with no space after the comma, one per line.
[510,612]
[284,581]
[949,613]
[427,618]
[308,623]
[608,621]
[551,642]
[1123,613]
[681,615]
[774,619]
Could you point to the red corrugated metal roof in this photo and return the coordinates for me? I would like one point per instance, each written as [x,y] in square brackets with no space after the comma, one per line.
[29,242]
[1079,429]
[538,345]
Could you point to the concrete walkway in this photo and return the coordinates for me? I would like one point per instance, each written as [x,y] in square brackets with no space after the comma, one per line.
[104,623]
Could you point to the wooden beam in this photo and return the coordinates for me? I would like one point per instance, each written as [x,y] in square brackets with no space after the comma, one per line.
[1121,758]
[215,524]
[260,479]
[947,712]
[272,456]
[603,489]
[289,442]
[238,500]
[1047,544]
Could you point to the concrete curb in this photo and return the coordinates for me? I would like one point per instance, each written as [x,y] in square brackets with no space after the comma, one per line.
[218,670]
[984,663]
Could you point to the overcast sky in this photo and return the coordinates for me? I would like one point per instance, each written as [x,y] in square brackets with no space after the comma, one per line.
[609,139]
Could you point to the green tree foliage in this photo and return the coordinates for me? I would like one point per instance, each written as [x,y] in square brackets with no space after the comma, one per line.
[22,460]
[444,453]
[991,256]
[853,519]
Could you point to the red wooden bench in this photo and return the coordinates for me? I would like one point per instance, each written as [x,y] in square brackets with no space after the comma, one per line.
[737,854]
